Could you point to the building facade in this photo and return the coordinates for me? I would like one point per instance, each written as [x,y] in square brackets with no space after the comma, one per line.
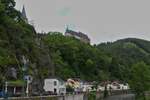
[55,85]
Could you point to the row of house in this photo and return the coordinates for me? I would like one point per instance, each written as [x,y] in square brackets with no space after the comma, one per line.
[59,86]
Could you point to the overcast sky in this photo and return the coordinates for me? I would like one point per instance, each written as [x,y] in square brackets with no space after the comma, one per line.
[101,20]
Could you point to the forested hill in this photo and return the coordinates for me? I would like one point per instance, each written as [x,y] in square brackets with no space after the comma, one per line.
[126,43]
[130,50]
[126,53]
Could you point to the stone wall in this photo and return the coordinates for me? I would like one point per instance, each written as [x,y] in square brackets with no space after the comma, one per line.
[66,97]
[74,97]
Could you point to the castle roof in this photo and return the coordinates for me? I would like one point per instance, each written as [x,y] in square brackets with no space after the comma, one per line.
[79,34]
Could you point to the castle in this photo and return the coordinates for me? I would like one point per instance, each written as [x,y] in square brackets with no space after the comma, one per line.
[78,35]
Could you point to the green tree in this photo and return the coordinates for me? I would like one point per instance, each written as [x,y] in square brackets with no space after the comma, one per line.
[140,79]
[116,69]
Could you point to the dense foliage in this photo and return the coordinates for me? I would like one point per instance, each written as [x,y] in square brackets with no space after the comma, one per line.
[140,79]
[17,38]
[126,52]
[72,58]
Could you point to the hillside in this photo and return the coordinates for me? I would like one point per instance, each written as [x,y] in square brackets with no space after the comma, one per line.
[20,54]
[127,52]
[126,43]
[130,48]
[73,58]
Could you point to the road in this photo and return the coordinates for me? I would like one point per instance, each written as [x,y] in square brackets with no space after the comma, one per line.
[121,97]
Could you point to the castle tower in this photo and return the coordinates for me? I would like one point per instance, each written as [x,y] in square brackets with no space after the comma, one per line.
[24,14]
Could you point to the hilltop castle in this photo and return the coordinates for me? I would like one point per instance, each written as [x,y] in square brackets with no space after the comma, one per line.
[78,35]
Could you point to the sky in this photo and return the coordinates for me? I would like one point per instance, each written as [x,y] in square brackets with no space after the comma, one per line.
[101,20]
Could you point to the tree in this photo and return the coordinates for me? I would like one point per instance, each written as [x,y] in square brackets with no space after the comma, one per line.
[116,69]
[140,79]
[1,7]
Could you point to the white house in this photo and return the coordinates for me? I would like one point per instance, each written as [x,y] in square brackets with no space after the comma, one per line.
[79,85]
[115,85]
[118,86]
[55,85]
[124,86]
[87,87]
[101,88]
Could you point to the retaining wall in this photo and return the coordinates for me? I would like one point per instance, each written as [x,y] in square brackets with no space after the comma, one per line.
[66,97]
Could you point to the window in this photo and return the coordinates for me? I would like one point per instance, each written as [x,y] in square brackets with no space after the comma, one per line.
[55,83]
